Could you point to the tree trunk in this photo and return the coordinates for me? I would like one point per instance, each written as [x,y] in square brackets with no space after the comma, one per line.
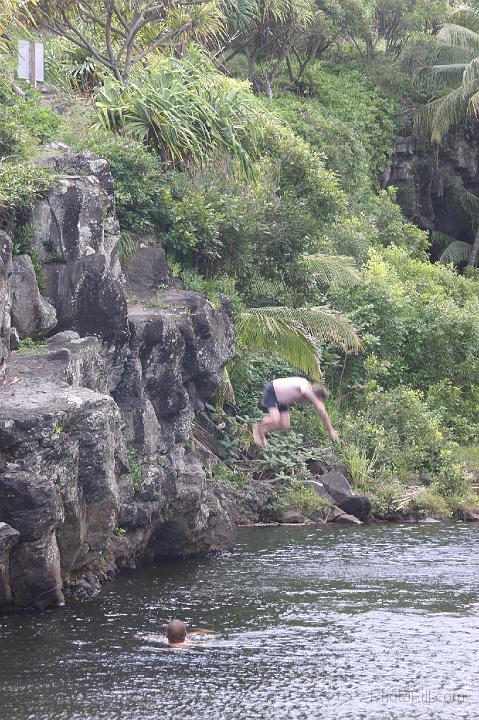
[474,253]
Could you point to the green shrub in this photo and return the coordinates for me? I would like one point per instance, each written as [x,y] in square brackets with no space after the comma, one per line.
[28,346]
[360,467]
[341,147]
[468,455]
[463,505]
[21,184]
[453,481]
[397,429]
[302,498]
[224,473]
[25,123]
[142,189]
[458,408]
[350,97]
[212,288]
[429,503]
[385,493]
[420,320]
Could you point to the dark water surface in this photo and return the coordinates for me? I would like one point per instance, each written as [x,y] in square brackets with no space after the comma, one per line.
[311,622]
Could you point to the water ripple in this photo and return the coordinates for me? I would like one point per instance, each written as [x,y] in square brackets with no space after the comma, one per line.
[374,622]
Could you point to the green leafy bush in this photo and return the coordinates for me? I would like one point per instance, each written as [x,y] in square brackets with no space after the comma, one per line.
[398,430]
[25,123]
[302,498]
[143,191]
[223,472]
[213,288]
[453,481]
[21,184]
[385,493]
[429,503]
[350,97]
[420,322]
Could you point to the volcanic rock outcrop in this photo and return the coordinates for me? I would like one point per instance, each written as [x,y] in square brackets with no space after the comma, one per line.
[98,465]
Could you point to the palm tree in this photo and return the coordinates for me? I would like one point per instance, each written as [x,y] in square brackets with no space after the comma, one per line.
[453,84]
[453,79]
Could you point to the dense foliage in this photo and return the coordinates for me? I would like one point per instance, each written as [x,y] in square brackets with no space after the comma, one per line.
[255,157]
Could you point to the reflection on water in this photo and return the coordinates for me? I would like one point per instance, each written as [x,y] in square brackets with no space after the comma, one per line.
[310,622]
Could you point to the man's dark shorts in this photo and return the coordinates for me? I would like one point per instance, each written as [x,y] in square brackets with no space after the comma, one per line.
[270,400]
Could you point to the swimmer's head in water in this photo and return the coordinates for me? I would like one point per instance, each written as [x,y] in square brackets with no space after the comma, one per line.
[321,391]
[176,631]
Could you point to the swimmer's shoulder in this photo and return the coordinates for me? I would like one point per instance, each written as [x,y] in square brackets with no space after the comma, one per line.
[157,639]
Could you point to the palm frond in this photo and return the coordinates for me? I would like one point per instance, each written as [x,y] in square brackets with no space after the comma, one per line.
[296,334]
[258,330]
[443,54]
[451,110]
[459,36]
[469,201]
[456,252]
[465,17]
[474,104]
[332,269]
[440,77]
[470,80]
[329,325]
[441,239]
[437,117]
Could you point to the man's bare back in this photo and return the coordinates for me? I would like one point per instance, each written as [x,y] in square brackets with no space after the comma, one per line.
[291,390]
[277,398]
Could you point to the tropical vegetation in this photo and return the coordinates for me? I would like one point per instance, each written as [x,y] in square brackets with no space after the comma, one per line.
[250,139]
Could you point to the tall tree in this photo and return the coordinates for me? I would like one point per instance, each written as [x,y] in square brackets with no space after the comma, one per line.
[373,25]
[268,38]
[121,33]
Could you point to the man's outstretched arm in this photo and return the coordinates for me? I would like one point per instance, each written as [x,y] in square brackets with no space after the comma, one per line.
[322,412]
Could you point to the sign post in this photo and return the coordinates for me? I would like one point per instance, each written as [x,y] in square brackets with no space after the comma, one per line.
[31,62]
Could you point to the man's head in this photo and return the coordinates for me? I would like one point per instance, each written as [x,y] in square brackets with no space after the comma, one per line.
[321,391]
[176,631]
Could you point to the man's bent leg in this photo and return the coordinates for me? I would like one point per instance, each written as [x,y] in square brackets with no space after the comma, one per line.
[284,420]
[269,423]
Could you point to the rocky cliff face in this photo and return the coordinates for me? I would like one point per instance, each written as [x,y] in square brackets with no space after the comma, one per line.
[431,184]
[98,465]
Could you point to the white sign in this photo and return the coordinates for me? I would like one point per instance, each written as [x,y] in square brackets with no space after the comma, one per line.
[30,62]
